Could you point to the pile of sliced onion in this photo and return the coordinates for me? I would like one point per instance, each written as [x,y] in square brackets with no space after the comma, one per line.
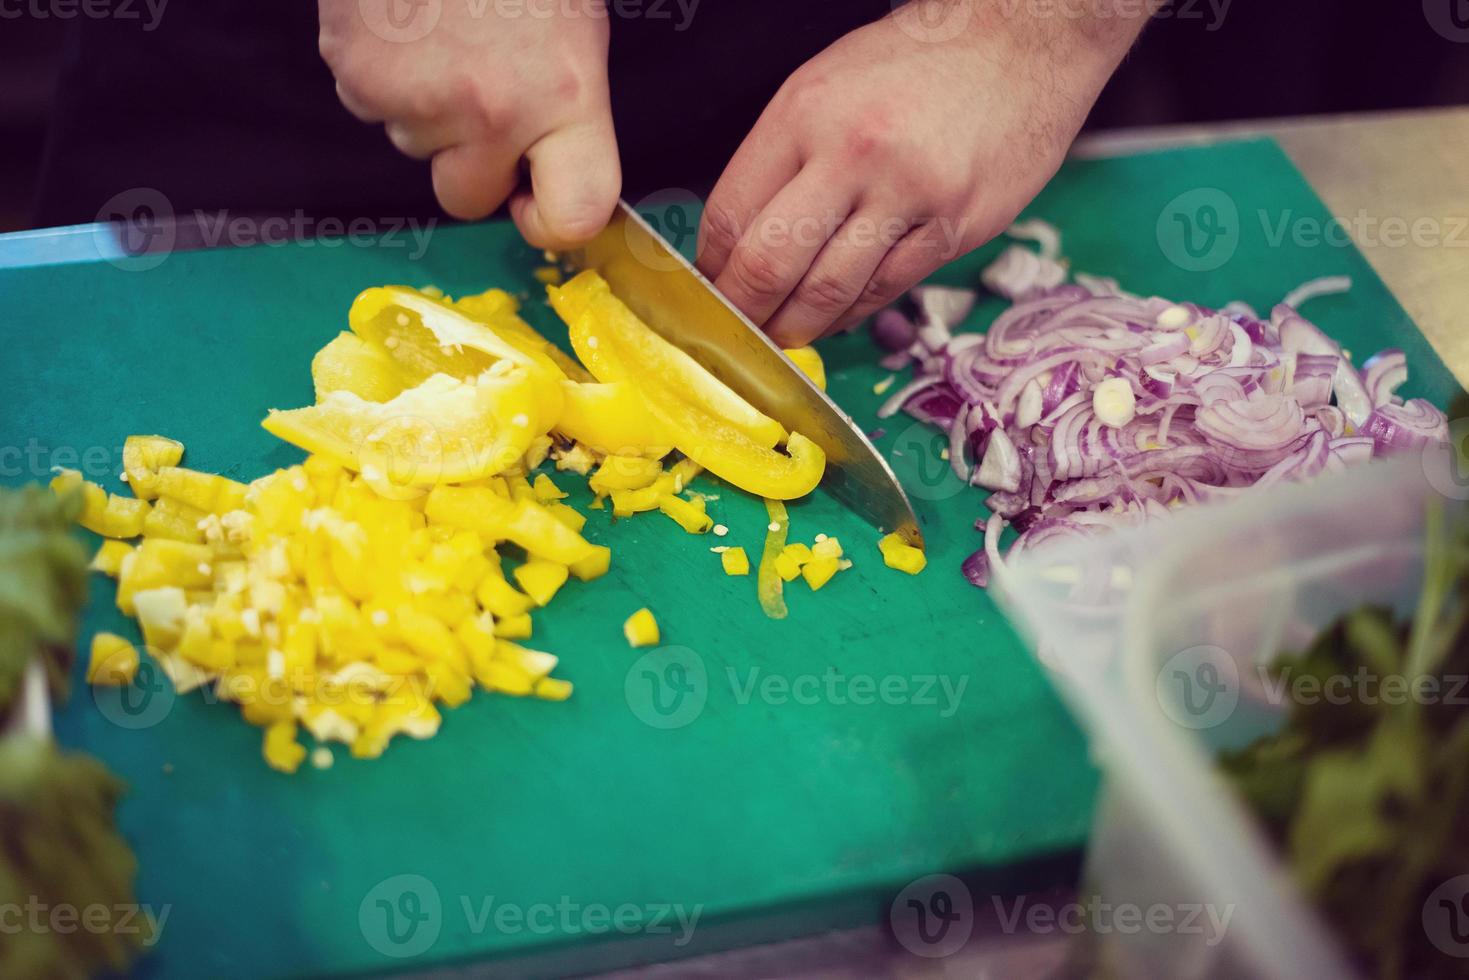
[1084,407]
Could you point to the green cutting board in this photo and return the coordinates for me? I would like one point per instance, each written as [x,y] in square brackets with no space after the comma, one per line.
[777,777]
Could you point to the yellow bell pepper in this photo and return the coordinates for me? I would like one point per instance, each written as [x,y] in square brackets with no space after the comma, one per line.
[106,514]
[768,583]
[114,661]
[827,548]
[600,322]
[207,492]
[175,520]
[143,456]
[735,562]
[810,364]
[541,579]
[641,629]
[687,515]
[546,490]
[282,751]
[624,473]
[350,363]
[108,559]
[899,554]
[818,571]
[612,419]
[708,423]
[442,431]
[552,689]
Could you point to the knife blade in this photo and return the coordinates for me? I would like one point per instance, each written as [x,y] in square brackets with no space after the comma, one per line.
[683,307]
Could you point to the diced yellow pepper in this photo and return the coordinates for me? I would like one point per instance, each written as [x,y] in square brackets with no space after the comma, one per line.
[540,579]
[282,751]
[161,613]
[552,689]
[569,516]
[514,628]
[500,598]
[546,489]
[144,456]
[159,562]
[624,473]
[818,571]
[506,677]
[797,552]
[114,661]
[641,629]
[536,663]
[683,473]
[687,515]
[735,562]
[787,567]
[827,548]
[109,557]
[175,520]
[899,554]
[103,513]
[208,492]
[594,565]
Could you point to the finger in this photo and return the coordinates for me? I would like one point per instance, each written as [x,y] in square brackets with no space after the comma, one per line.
[912,260]
[471,180]
[765,162]
[575,178]
[779,246]
[357,107]
[417,140]
[836,278]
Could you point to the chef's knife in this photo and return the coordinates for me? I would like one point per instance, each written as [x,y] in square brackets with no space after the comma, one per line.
[681,305]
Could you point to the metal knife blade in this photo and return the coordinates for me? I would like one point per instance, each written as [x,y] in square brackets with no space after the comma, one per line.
[683,306]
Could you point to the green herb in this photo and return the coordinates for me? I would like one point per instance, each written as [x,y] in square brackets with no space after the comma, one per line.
[43,583]
[60,853]
[1368,797]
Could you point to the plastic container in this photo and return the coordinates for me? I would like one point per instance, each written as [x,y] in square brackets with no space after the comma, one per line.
[1155,636]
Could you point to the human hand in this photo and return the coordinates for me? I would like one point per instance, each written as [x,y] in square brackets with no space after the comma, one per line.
[479,92]
[893,152]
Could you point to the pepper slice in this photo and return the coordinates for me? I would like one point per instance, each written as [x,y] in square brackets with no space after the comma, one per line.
[443,431]
[683,397]
[597,318]
[612,419]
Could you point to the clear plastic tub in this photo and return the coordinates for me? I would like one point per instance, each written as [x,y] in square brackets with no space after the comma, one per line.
[1156,637]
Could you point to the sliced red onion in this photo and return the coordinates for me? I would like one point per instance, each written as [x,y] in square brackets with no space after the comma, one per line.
[1324,286]
[896,361]
[1019,273]
[893,331]
[1000,468]
[1046,235]
[976,569]
[948,305]
[1224,402]
[1383,374]
[1410,425]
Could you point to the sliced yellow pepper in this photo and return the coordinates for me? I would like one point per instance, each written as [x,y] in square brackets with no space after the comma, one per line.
[541,579]
[175,520]
[687,515]
[598,319]
[768,584]
[624,473]
[108,559]
[810,364]
[612,419]
[208,492]
[350,363]
[442,431]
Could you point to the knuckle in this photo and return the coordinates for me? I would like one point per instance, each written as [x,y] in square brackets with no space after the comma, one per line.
[825,294]
[756,275]
[494,110]
[721,228]
[881,290]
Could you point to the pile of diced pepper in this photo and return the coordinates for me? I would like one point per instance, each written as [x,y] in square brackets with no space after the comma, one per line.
[355,593]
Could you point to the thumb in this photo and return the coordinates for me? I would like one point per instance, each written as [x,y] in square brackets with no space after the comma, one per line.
[575,178]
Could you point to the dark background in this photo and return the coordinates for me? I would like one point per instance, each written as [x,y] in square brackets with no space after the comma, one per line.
[1265,58]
